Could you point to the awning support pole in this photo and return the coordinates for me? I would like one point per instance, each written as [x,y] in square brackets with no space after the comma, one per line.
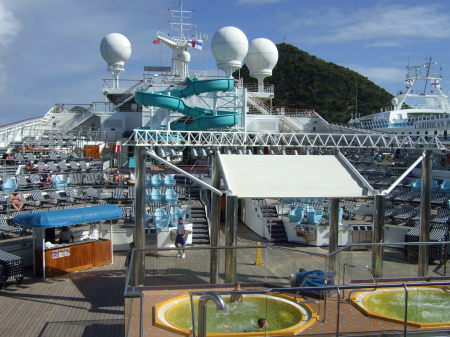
[425,212]
[378,236]
[139,234]
[334,230]
[231,228]
[215,221]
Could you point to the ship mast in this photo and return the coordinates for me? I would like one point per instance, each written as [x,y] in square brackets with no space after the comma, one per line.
[179,43]
[428,67]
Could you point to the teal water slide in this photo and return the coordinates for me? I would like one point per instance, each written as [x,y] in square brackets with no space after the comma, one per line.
[201,119]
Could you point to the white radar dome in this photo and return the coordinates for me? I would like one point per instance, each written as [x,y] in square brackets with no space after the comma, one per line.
[229,46]
[261,58]
[183,56]
[394,101]
[115,49]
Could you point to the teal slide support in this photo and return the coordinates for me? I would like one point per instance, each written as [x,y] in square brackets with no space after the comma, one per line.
[202,119]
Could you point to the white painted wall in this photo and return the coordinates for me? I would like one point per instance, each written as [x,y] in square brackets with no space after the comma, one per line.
[254,220]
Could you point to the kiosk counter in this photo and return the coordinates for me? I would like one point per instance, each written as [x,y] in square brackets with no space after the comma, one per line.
[70,257]
[71,253]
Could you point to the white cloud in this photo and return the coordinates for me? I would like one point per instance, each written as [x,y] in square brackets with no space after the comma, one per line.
[392,25]
[379,74]
[9,25]
[9,28]
[257,2]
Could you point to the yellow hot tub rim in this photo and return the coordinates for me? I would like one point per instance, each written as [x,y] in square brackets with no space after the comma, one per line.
[357,302]
[295,329]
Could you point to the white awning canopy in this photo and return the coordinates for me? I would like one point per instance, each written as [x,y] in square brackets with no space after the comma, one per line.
[281,176]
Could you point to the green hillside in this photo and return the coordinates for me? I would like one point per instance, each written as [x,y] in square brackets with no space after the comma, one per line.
[305,81]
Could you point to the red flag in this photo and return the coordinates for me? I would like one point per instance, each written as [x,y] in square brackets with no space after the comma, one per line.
[118,147]
[157,41]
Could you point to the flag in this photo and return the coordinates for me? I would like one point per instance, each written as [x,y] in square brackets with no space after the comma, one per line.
[435,84]
[197,44]
[118,147]
[157,41]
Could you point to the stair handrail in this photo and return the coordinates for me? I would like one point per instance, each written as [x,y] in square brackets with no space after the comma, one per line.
[262,204]
[127,94]
[77,119]
[260,105]
[207,205]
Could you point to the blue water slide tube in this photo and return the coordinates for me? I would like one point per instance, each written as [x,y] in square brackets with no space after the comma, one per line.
[201,118]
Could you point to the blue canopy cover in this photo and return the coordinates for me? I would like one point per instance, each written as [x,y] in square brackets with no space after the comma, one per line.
[68,217]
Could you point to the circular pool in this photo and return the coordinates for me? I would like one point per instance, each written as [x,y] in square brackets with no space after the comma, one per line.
[427,306]
[240,318]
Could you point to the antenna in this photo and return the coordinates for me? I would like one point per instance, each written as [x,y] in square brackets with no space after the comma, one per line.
[356,95]
[181,26]
[428,67]
[179,42]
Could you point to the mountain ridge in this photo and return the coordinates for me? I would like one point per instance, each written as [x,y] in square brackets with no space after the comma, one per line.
[302,80]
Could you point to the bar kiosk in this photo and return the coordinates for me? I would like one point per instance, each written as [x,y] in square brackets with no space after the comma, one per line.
[53,257]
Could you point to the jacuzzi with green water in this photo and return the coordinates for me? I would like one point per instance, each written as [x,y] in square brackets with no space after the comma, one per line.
[427,306]
[284,316]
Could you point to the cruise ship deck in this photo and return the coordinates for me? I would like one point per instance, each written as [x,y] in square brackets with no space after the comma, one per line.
[91,303]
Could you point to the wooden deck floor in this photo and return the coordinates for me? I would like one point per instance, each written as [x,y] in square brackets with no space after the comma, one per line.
[88,303]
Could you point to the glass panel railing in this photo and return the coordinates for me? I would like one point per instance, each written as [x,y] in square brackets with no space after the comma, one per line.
[333,303]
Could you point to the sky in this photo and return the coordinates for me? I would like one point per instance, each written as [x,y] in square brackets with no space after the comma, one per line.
[49,49]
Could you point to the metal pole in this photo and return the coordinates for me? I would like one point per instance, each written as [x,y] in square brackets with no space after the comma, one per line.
[231,223]
[405,317]
[139,234]
[378,236]
[215,222]
[334,230]
[425,213]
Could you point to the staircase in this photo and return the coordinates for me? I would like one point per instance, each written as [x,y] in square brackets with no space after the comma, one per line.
[257,105]
[274,225]
[200,232]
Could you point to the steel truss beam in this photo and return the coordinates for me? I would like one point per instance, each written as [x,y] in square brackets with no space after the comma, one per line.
[218,139]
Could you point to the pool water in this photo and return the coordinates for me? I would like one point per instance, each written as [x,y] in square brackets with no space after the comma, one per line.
[425,305]
[239,316]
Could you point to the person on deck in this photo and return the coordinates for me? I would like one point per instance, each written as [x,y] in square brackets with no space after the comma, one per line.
[131,178]
[16,201]
[66,235]
[117,178]
[237,297]
[180,239]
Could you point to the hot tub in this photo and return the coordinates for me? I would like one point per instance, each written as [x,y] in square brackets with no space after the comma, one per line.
[284,316]
[427,306]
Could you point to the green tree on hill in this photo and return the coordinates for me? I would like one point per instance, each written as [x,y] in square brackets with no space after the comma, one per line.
[302,80]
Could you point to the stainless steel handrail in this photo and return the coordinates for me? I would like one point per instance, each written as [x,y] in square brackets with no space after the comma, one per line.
[369,270]
[202,302]
[405,323]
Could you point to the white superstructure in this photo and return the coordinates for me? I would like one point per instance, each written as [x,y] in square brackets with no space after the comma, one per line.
[421,109]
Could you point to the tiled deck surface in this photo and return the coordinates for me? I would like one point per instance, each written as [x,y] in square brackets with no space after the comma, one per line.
[353,321]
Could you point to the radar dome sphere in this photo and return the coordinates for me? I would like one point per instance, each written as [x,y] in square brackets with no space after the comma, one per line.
[115,48]
[262,57]
[394,101]
[229,46]
[184,56]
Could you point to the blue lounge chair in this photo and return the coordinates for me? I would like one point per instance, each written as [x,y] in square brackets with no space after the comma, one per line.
[170,196]
[161,218]
[156,195]
[156,180]
[169,180]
